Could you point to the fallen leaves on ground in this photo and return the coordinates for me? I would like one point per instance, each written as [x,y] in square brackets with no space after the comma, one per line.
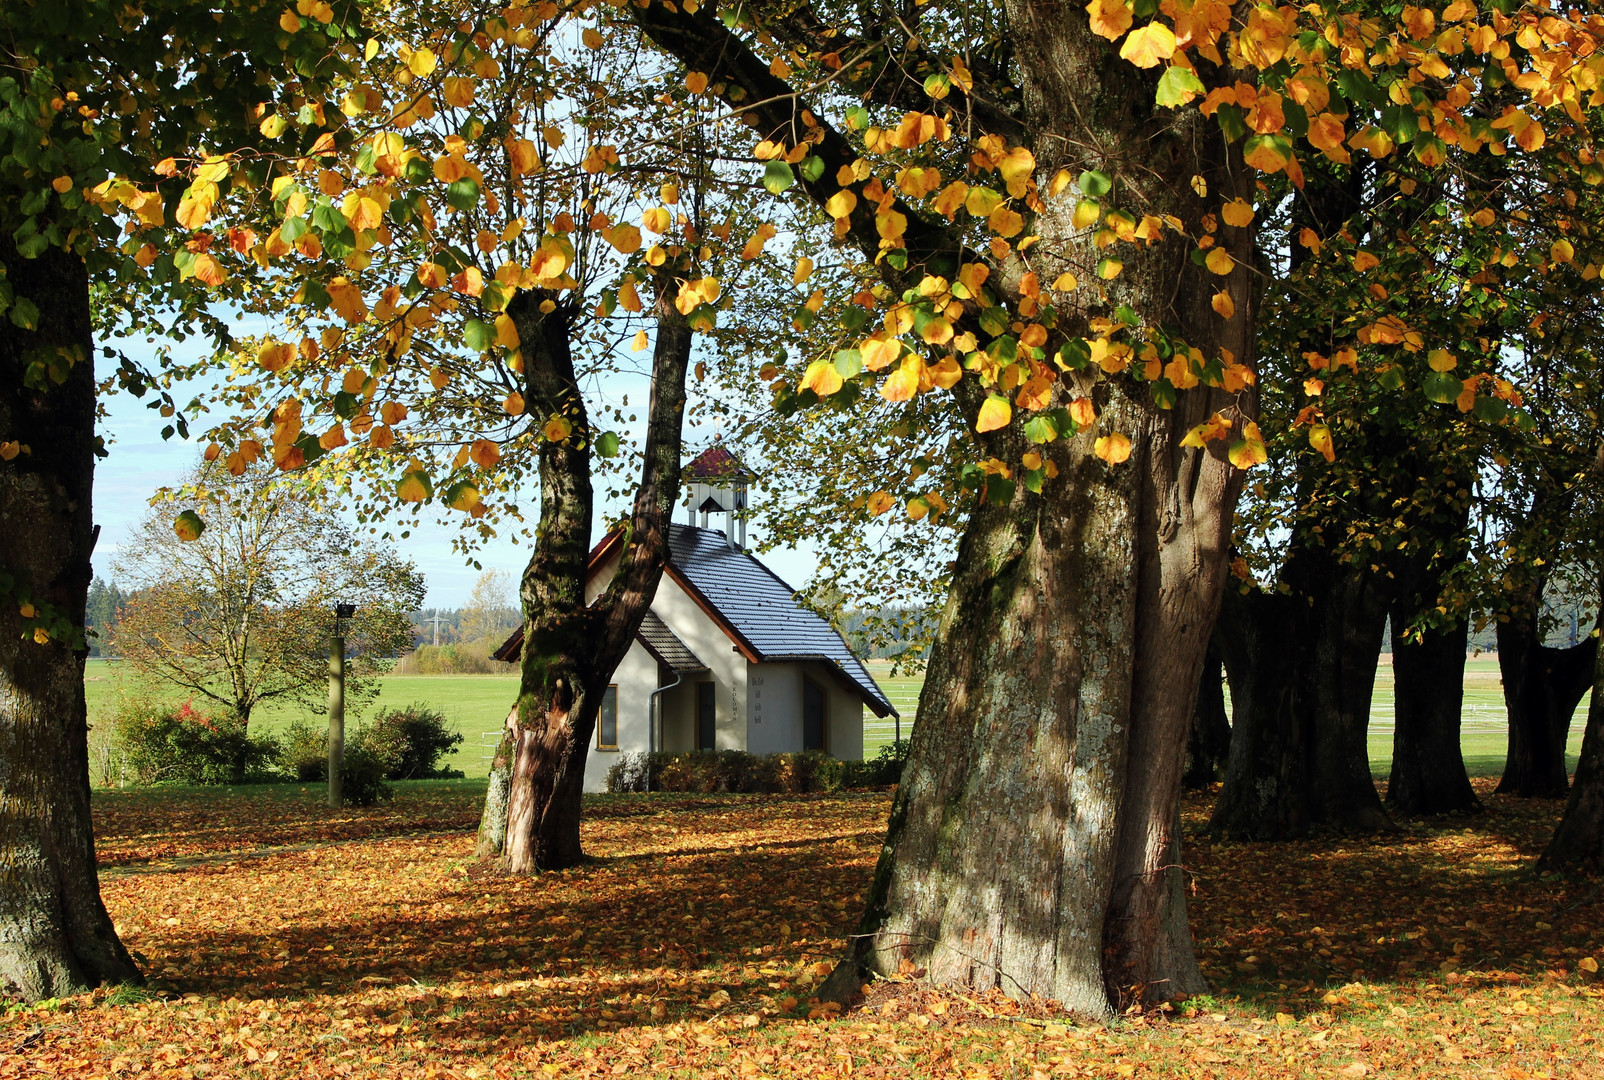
[286,940]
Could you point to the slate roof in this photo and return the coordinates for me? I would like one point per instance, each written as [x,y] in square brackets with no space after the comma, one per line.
[715,463]
[758,611]
[666,646]
[761,611]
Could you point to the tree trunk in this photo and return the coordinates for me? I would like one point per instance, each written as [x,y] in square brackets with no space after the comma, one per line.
[571,648]
[1033,844]
[1428,766]
[492,840]
[56,938]
[1542,687]
[1208,745]
[1303,669]
[1578,843]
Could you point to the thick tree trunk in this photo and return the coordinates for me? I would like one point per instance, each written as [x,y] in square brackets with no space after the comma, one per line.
[1578,843]
[1542,687]
[571,648]
[1303,669]
[55,936]
[1208,744]
[1033,841]
[1428,767]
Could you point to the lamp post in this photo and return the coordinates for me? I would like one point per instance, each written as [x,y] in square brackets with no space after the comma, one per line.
[337,699]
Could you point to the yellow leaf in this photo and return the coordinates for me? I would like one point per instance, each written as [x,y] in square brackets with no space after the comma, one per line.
[1364,261]
[289,22]
[1223,304]
[1320,439]
[822,378]
[879,503]
[841,204]
[514,404]
[695,82]
[878,352]
[1109,269]
[804,270]
[557,429]
[1219,261]
[506,332]
[1248,451]
[1149,44]
[1588,964]
[1560,252]
[1113,448]
[592,38]
[1237,213]
[1110,18]
[413,488]
[422,63]
[903,384]
[995,413]
[1442,360]
[1066,282]
[640,342]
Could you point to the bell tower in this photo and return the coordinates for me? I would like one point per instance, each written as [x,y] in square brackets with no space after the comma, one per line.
[716,483]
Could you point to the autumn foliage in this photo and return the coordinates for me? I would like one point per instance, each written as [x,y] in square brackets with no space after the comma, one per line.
[284,941]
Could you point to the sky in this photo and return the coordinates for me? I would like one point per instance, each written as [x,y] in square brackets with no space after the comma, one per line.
[140,461]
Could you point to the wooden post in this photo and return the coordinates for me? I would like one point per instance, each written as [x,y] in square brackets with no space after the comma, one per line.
[336,711]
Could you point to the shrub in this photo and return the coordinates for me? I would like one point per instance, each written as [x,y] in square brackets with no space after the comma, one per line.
[304,752]
[740,772]
[410,742]
[467,658]
[167,744]
[362,775]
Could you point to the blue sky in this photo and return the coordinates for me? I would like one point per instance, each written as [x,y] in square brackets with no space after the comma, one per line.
[140,462]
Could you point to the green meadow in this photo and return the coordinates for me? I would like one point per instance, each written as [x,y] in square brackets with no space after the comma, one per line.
[477,706]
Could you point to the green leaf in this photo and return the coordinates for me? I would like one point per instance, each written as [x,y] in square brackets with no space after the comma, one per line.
[849,363]
[607,444]
[777,177]
[1490,410]
[293,229]
[1175,85]
[1095,184]
[1041,429]
[463,195]
[1075,353]
[478,335]
[858,118]
[812,168]
[1441,387]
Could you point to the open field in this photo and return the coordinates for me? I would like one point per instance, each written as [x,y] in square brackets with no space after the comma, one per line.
[287,940]
[478,704]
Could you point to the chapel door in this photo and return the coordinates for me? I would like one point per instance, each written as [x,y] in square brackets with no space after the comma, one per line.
[706,715]
[814,716]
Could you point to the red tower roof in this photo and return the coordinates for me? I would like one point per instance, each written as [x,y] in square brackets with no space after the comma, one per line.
[715,464]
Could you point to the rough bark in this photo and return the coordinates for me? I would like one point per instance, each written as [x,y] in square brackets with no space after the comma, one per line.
[571,648]
[1542,687]
[55,936]
[492,840]
[1208,744]
[1578,843]
[1032,844]
[1428,767]
[1303,667]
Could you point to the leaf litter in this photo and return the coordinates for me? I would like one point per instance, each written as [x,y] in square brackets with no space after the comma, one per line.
[369,943]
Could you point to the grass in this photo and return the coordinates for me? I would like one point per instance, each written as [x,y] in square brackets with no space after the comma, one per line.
[477,706]
[283,938]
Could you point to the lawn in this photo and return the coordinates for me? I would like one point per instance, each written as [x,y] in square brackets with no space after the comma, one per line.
[284,939]
[477,705]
